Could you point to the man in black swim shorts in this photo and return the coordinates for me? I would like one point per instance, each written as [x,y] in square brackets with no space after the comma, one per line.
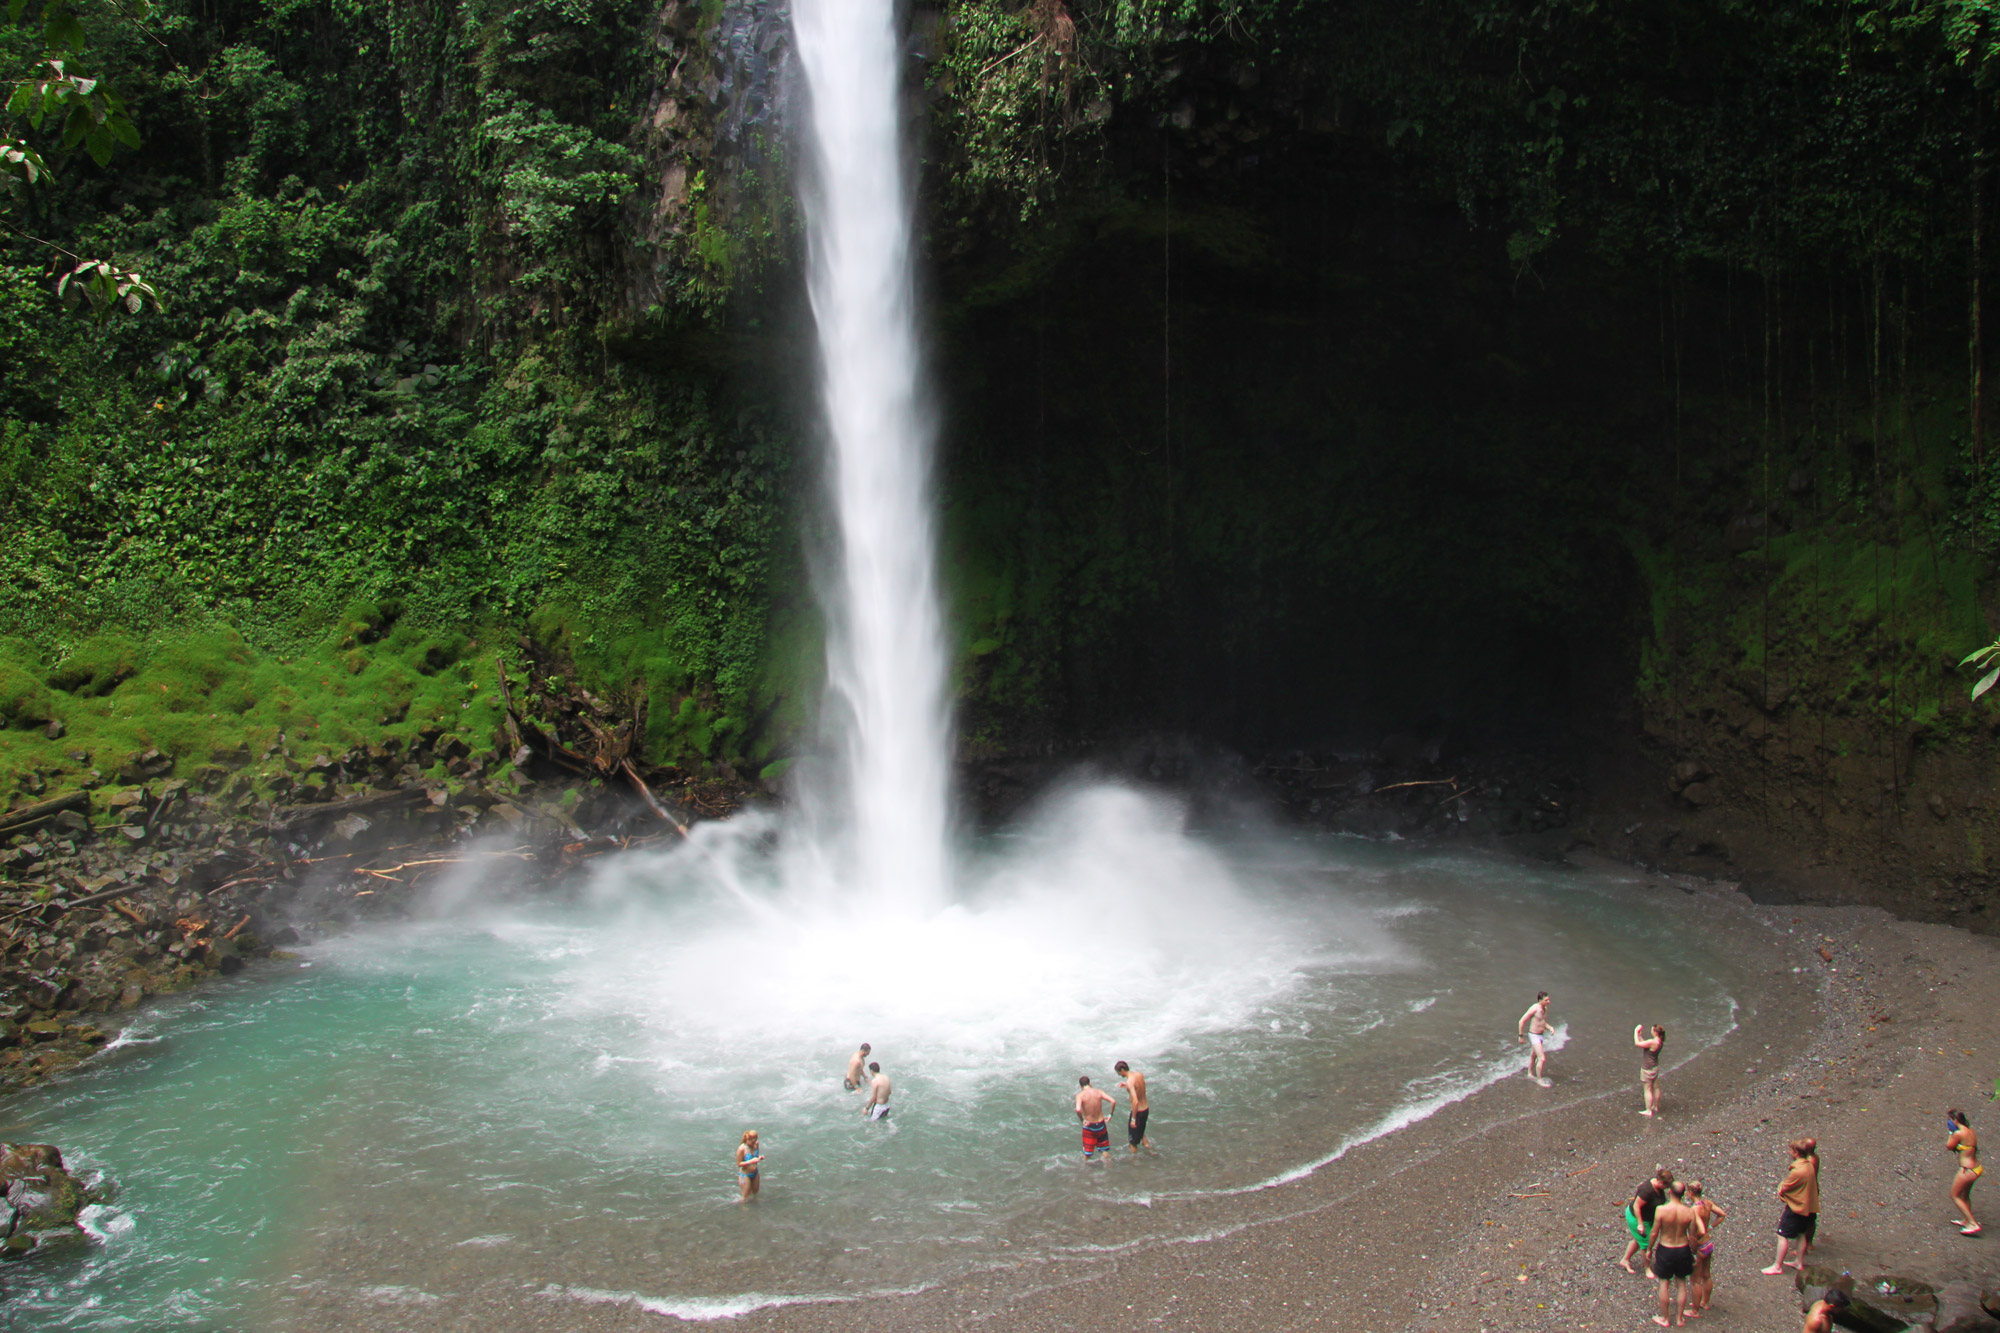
[1134,1083]
[1677,1229]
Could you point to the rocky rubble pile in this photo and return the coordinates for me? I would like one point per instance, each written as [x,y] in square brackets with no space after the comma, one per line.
[122,891]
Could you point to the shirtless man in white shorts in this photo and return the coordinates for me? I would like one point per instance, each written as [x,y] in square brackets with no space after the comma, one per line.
[1534,1029]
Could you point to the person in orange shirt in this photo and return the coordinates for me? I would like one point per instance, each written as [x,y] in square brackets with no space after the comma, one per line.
[1800,1197]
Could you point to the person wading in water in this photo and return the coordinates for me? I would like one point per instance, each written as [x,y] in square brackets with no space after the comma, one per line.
[1134,1084]
[857,1064]
[1094,1108]
[1534,1029]
[749,1165]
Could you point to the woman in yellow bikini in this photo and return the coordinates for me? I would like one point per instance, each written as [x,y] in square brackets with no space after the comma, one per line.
[1966,1144]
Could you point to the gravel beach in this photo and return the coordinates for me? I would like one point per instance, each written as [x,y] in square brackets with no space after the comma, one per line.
[1501,1213]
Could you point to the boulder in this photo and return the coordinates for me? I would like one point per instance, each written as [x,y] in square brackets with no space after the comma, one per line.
[1989,1301]
[1959,1310]
[47,1200]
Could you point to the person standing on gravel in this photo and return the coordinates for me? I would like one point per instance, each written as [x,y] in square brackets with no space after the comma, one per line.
[1712,1214]
[1965,1143]
[1677,1229]
[1649,1044]
[1800,1197]
[1639,1213]
[1534,1029]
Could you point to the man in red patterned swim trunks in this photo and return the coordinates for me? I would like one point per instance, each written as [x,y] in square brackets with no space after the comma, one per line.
[1094,1108]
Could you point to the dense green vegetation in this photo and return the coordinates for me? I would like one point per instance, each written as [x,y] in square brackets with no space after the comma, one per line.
[395,250]
[1307,365]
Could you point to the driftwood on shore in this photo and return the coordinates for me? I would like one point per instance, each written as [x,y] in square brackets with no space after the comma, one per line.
[34,816]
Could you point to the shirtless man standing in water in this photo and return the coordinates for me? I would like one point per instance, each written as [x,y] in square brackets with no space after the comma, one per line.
[855,1065]
[1134,1084]
[877,1105]
[1094,1108]
[1534,1029]
[1677,1229]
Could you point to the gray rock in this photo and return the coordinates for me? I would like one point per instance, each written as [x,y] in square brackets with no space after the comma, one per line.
[1959,1310]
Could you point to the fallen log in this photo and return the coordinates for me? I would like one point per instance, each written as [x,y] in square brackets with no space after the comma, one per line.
[32,816]
[284,818]
[646,794]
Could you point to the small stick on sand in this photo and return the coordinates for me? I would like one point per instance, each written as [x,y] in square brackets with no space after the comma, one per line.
[1587,1170]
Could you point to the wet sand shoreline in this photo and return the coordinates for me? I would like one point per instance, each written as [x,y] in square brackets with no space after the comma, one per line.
[1497,1212]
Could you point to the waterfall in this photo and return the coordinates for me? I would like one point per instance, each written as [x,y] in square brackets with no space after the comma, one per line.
[886,668]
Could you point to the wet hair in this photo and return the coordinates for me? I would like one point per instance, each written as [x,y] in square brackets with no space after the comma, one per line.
[1678,1190]
[1122,1068]
[1837,1298]
[874,1067]
[1541,995]
[1083,1080]
[1958,1118]
[865,1048]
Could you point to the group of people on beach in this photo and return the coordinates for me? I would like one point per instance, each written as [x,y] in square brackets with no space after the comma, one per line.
[1673,1221]
[1093,1106]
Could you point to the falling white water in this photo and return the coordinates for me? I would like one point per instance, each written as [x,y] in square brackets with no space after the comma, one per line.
[885,653]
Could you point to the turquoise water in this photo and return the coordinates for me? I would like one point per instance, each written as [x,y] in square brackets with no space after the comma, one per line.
[545,1097]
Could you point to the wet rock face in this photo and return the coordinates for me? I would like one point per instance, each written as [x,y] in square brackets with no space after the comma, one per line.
[44,1198]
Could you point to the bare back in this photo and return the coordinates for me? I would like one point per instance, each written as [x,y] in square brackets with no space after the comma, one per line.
[1134,1084]
[1675,1224]
[1094,1105]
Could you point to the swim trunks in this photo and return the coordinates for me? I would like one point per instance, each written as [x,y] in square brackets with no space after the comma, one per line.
[1791,1224]
[850,1085]
[1096,1137]
[1673,1261]
[1535,1040]
[879,1111]
[1649,1076]
[1632,1227]
[1137,1127]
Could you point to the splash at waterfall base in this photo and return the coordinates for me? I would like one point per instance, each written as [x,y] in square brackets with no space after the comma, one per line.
[511,1104]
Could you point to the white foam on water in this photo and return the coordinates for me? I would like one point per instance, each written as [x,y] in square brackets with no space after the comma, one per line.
[1448,1089]
[702,1310]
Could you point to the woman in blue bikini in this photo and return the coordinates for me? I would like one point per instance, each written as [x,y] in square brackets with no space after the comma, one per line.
[749,1159]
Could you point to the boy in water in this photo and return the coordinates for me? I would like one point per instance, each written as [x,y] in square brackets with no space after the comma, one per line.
[1134,1084]
[877,1105]
[1093,1108]
[1534,1029]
